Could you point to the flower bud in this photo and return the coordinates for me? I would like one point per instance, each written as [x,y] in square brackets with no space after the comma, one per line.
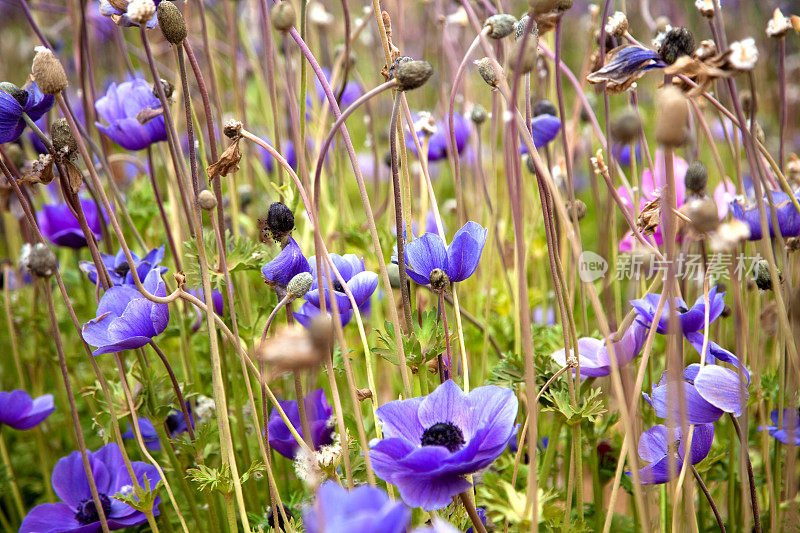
[501,25]
[282,16]
[544,107]
[299,285]
[207,200]
[141,11]
[280,219]
[672,117]
[696,177]
[39,259]
[20,95]
[487,72]
[48,71]
[626,126]
[394,275]
[64,142]
[439,280]
[576,209]
[529,54]
[478,114]
[171,22]
[677,42]
[412,74]
[702,214]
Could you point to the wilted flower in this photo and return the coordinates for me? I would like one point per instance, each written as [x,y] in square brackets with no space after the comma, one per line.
[14,102]
[127,320]
[120,108]
[19,411]
[458,260]
[789,432]
[593,356]
[318,413]
[119,271]
[77,510]
[439,135]
[617,24]
[624,65]
[689,320]
[785,211]
[743,54]
[430,443]
[364,509]
[61,227]
[656,447]
[779,25]
[175,425]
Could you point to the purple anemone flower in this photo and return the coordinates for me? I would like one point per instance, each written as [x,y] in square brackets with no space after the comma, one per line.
[76,513]
[715,352]
[709,392]
[624,65]
[19,411]
[350,94]
[120,107]
[318,413]
[120,16]
[691,320]
[654,447]
[307,312]
[544,128]
[120,271]
[61,227]
[286,265]
[439,135]
[175,425]
[431,443]
[458,260]
[789,432]
[14,102]
[361,283]
[787,215]
[127,320]
[593,356]
[364,509]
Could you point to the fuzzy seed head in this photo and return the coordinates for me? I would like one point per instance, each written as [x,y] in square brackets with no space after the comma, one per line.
[206,200]
[487,72]
[171,22]
[696,177]
[300,284]
[626,126]
[478,114]
[283,16]
[141,11]
[48,71]
[672,117]
[412,74]
[500,26]
[677,42]
[39,259]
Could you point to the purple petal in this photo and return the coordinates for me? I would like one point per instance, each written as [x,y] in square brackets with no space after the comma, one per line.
[399,419]
[464,252]
[722,388]
[424,255]
[447,403]
[42,408]
[70,482]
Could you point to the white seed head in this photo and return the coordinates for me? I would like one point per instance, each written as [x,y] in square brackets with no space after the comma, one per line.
[617,24]
[779,25]
[744,54]
[141,11]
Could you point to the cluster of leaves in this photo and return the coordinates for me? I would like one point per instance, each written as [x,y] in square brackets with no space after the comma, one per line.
[510,370]
[423,344]
[220,479]
[243,254]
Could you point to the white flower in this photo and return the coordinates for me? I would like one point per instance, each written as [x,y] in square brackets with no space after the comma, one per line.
[617,24]
[141,11]
[744,54]
[779,25]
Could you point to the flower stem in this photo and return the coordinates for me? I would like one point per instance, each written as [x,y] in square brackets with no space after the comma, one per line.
[750,477]
[398,215]
[466,499]
[710,499]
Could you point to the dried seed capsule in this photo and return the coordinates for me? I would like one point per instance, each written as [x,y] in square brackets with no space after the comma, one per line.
[280,219]
[487,72]
[48,71]
[283,16]
[626,126]
[696,177]
[501,25]
[762,277]
[39,259]
[171,22]
[64,142]
[141,11]
[412,74]
[677,42]
[207,200]
[672,117]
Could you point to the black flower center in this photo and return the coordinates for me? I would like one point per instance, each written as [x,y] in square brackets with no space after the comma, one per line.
[87,511]
[337,286]
[683,310]
[271,517]
[444,434]
[123,269]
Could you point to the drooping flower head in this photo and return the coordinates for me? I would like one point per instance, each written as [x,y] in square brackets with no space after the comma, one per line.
[19,411]
[785,211]
[119,271]
[76,512]
[318,413]
[286,265]
[430,443]
[593,357]
[175,425]
[789,431]
[364,509]
[624,65]
[690,320]
[14,102]
[438,134]
[127,320]
[61,227]
[654,447]
[458,260]
[120,107]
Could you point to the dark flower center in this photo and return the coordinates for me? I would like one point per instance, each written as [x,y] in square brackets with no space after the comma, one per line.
[683,310]
[87,511]
[271,517]
[444,434]
[337,286]
[123,269]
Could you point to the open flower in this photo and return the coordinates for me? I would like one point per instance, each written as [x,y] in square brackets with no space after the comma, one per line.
[439,135]
[364,509]
[61,227]
[709,392]
[19,411]
[175,425]
[14,102]
[789,432]
[654,447]
[76,512]
[593,357]
[430,443]
[286,265]
[120,271]
[624,65]
[690,320]
[127,320]
[318,413]
[458,261]
[120,107]
[785,211]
